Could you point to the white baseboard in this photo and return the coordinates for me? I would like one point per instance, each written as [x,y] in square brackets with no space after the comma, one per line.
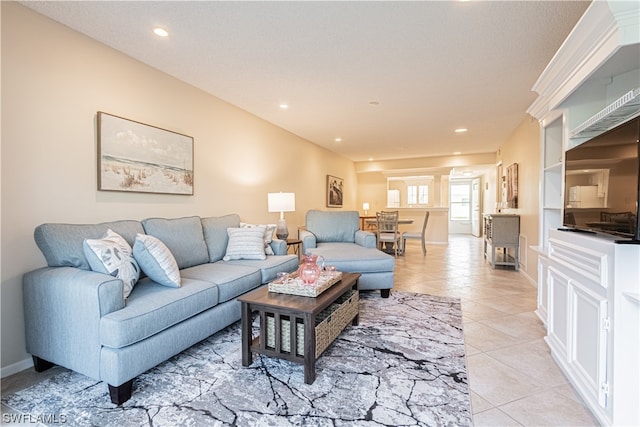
[16,367]
[529,278]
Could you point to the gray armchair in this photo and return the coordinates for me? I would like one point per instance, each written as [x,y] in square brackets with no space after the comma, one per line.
[337,238]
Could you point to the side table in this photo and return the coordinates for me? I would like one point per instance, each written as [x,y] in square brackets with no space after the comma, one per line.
[296,246]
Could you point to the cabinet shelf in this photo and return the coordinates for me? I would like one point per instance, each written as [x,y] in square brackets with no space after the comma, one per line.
[556,167]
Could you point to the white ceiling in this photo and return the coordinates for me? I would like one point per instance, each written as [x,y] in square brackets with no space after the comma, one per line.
[431,66]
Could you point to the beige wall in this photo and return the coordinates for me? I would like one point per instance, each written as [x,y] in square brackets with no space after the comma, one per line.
[523,148]
[54,80]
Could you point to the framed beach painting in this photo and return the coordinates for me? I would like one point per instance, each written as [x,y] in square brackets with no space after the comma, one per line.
[335,191]
[136,157]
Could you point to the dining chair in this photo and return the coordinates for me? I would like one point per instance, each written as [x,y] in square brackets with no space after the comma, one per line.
[388,232]
[415,235]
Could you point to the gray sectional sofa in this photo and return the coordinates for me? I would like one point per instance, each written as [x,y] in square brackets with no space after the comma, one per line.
[337,238]
[80,319]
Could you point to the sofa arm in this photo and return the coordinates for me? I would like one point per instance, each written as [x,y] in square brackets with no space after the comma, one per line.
[62,309]
[366,239]
[308,240]
[278,246]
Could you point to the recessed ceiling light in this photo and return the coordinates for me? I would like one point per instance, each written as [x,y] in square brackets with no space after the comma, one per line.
[461,130]
[374,103]
[338,139]
[455,153]
[371,159]
[161,32]
[284,106]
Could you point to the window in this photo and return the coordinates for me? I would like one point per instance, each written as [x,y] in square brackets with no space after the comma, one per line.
[460,201]
[411,191]
[423,194]
[412,194]
[417,194]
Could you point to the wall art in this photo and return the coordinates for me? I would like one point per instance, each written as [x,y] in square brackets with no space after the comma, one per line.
[512,186]
[335,191]
[136,157]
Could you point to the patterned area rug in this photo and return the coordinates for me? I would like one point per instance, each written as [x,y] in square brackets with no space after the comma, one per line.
[403,365]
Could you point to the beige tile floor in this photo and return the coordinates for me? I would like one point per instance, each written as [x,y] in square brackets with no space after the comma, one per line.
[512,377]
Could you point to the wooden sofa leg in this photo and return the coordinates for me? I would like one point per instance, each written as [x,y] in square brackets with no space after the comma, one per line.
[121,393]
[41,365]
[384,293]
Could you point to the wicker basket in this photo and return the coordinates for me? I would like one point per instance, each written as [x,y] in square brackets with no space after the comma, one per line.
[285,335]
[293,285]
[329,324]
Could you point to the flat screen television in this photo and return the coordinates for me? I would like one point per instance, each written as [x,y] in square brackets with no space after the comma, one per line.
[601,184]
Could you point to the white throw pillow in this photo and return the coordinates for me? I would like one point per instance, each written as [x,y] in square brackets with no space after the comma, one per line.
[268,235]
[112,255]
[156,260]
[245,243]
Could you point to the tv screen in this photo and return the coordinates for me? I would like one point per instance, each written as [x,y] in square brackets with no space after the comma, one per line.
[601,187]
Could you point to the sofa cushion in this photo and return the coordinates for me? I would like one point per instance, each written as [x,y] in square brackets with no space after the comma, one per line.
[353,258]
[113,255]
[215,234]
[232,280]
[245,243]
[270,265]
[62,244]
[152,308]
[183,237]
[333,226]
[156,260]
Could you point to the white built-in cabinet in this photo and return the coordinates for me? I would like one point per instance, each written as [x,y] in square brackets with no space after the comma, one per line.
[551,195]
[588,297]
[592,308]
[552,173]
[588,285]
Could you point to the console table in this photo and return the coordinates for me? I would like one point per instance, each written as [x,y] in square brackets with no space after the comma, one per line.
[502,231]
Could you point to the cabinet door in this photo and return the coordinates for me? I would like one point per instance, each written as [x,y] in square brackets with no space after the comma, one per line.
[543,289]
[558,298]
[588,350]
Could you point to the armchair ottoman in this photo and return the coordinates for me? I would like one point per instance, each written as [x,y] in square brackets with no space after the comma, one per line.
[337,238]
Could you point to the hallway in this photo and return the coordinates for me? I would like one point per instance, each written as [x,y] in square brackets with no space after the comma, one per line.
[512,377]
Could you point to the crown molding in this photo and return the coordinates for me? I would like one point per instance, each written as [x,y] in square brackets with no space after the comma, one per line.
[604,28]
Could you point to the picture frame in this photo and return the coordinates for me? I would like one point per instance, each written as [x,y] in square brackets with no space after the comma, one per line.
[512,186]
[141,158]
[335,191]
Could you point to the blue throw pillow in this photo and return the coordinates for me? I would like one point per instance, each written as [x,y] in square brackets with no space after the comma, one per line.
[156,260]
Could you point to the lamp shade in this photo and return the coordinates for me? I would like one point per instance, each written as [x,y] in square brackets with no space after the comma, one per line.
[281,202]
[365,206]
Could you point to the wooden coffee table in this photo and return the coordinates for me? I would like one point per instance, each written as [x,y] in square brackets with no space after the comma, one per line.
[277,310]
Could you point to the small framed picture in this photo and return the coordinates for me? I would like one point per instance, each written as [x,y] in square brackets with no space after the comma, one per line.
[335,191]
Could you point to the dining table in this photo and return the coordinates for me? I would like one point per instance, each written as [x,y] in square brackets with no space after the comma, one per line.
[401,221]
[389,245]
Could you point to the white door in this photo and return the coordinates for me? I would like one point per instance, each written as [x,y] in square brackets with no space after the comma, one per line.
[476,212]
[460,207]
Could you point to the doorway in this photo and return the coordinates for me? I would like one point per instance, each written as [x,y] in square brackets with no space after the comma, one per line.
[460,206]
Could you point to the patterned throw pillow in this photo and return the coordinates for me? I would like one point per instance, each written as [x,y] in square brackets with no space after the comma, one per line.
[268,235]
[245,243]
[156,260]
[112,255]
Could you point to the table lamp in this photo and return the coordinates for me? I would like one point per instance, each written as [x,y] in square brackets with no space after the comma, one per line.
[365,208]
[281,202]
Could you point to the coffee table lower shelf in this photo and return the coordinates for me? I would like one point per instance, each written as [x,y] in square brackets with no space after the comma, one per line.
[318,322]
